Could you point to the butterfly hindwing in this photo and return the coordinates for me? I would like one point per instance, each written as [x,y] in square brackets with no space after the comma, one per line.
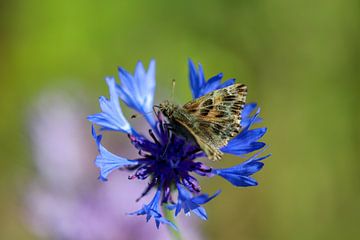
[217,115]
[203,138]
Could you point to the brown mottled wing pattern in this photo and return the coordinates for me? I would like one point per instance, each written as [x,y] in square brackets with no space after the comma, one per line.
[217,117]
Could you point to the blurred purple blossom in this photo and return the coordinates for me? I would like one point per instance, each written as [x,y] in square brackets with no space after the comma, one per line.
[65,200]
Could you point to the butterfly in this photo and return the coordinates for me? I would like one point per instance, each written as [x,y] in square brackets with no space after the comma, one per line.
[211,120]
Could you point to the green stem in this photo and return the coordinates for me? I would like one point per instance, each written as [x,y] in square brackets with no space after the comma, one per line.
[175,235]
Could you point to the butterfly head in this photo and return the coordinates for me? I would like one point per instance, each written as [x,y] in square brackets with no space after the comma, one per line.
[167,108]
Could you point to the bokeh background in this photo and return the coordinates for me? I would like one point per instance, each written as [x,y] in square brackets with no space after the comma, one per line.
[300,60]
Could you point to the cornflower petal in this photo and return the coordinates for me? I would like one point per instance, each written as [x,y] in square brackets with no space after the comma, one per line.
[246,118]
[138,90]
[214,83]
[111,117]
[188,203]
[247,140]
[199,86]
[197,79]
[107,161]
[239,175]
[151,210]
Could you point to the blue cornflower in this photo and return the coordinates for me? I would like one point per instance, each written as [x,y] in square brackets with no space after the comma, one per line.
[166,160]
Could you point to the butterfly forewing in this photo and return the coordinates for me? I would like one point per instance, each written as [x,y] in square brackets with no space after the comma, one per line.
[216,118]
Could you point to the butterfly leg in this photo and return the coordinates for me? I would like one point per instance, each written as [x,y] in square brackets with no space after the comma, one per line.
[155,111]
[170,131]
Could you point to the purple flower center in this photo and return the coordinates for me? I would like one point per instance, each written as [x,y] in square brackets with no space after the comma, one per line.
[168,161]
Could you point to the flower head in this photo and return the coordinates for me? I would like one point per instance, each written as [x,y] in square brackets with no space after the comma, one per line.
[168,161]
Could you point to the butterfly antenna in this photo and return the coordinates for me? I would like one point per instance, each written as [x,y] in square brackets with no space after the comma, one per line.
[173,90]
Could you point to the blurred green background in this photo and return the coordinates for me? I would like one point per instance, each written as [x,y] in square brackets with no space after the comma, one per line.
[300,60]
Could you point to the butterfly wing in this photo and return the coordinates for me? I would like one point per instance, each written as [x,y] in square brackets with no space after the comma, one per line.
[201,138]
[217,117]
